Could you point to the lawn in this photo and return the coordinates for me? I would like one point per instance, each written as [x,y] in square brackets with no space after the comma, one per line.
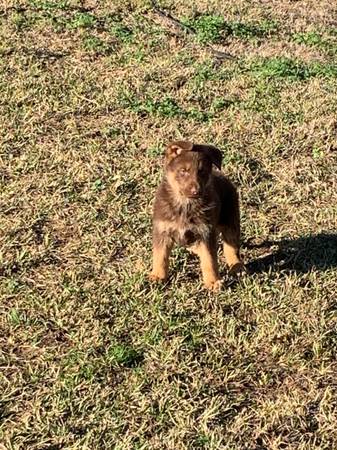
[93,356]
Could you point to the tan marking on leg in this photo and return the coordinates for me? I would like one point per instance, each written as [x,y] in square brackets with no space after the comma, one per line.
[231,249]
[160,264]
[231,254]
[209,265]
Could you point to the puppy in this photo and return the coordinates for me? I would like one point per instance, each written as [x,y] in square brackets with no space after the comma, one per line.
[195,203]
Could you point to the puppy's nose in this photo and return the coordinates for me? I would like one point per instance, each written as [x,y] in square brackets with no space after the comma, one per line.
[195,191]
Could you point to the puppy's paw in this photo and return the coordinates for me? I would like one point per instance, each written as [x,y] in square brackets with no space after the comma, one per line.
[214,285]
[237,270]
[157,278]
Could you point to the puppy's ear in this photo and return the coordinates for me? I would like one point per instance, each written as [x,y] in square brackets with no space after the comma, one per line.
[176,148]
[213,153]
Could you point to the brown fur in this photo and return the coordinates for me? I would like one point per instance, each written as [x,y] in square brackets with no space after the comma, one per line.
[194,204]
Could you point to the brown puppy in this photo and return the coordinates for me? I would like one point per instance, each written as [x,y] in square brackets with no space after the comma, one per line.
[193,204]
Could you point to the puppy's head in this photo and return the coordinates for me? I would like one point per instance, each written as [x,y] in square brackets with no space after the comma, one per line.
[188,167]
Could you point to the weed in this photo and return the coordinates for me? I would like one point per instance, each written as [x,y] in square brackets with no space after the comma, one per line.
[50,5]
[166,107]
[292,69]
[213,28]
[122,32]
[82,20]
[21,21]
[125,355]
[310,38]
[14,317]
[97,45]
[248,31]
[208,27]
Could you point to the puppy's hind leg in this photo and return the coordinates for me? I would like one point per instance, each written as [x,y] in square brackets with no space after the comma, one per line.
[231,248]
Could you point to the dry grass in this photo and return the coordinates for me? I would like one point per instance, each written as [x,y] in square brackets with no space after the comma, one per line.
[92,355]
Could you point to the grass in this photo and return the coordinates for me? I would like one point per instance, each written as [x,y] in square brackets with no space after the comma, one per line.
[213,28]
[292,69]
[325,41]
[92,355]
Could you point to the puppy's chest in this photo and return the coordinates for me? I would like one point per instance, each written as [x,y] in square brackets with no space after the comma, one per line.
[186,230]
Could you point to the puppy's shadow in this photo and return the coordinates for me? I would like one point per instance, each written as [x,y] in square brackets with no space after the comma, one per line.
[301,255]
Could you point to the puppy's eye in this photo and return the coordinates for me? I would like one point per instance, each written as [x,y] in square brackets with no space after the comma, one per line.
[183,171]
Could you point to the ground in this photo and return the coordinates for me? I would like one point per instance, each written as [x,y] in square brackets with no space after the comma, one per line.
[93,356]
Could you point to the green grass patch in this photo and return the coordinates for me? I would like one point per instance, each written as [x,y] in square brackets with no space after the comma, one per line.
[125,355]
[82,20]
[214,28]
[311,38]
[209,28]
[326,40]
[265,28]
[50,5]
[97,45]
[123,33]
[168,107]
[23,21]
[291,69]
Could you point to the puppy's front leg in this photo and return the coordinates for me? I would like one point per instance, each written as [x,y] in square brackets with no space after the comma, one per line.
[207,253]
[162,246]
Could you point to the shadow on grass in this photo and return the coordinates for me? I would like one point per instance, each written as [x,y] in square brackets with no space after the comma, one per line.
[301,255]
